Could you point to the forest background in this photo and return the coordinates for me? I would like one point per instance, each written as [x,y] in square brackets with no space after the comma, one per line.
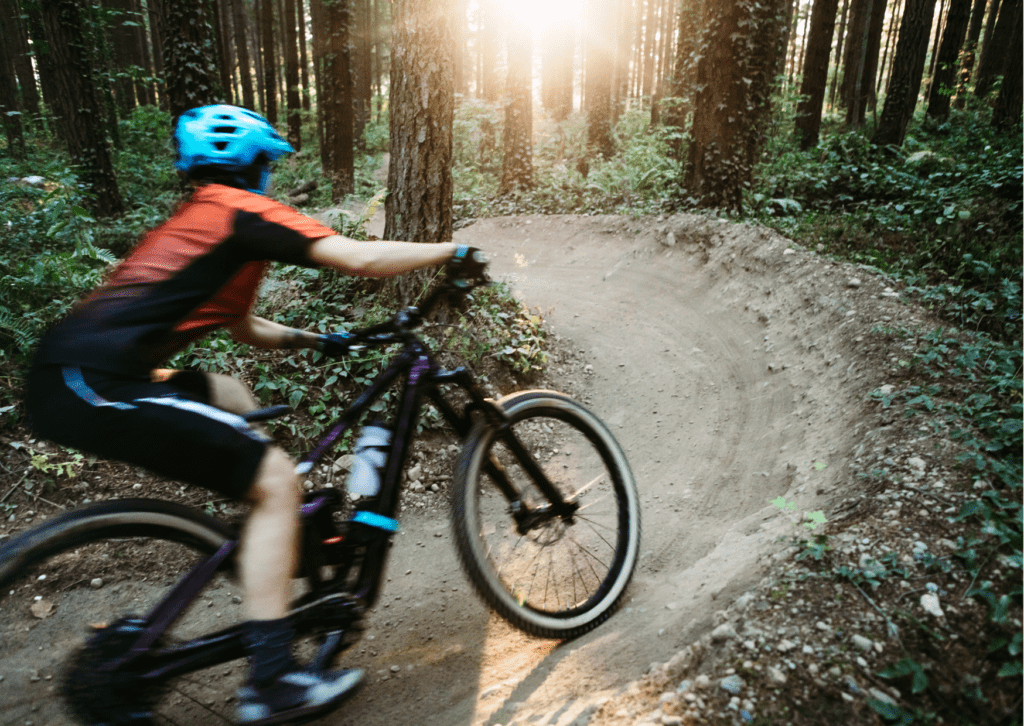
[887,132]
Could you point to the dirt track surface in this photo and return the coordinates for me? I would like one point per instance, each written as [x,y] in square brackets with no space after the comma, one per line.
[722,381]
[727,366]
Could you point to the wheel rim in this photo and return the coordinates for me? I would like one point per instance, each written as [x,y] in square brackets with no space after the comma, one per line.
[559,572]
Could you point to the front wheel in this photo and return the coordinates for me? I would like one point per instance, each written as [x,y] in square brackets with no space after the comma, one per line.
[554,575]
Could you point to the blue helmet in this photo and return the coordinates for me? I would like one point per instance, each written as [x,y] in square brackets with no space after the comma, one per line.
[234,141]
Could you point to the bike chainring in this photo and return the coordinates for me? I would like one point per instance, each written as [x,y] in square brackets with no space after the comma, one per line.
[96,693]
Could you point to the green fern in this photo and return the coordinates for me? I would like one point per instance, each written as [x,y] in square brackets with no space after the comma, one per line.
[15,329]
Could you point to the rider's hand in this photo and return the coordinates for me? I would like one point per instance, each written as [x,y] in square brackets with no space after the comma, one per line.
[467,266]
[334,345]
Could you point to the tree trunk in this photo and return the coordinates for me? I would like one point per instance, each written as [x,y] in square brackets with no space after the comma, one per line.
[10,112]
[969,52]
[742,42]
[143,88]
[856,48]
[157,32]
[190,75]
[303,58]
[266,17]
[253,37]
[291,76]
[362,69]
[946,65]
[419,205]
[78,112]
[650,29]
[838,54]
[812,90]
[242,50]
[871,61]
[490,40]
[907,71]
[627,26]
[1006,113]
[220,44]
[993,55]
[318,19]
[121,38]
[517,160]
[600,68]
[17,38]
[337,89]
[679,106]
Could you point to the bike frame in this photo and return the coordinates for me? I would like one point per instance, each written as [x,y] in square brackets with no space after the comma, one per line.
[342,609]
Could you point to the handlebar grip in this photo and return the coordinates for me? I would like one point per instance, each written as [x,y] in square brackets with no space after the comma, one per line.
[468,267]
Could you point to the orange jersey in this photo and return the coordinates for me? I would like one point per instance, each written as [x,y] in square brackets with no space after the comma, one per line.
[196,272]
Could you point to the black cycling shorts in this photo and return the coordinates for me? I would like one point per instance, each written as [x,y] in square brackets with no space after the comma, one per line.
[167,427]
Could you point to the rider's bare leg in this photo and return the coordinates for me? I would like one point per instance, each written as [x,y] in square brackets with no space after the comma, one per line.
[269,540]
[230,394]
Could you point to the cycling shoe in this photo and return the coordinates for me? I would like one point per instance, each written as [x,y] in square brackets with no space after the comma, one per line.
[296,695]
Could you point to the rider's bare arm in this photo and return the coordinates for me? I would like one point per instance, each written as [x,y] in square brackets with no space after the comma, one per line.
[377,259]
[366,259]
[262,333]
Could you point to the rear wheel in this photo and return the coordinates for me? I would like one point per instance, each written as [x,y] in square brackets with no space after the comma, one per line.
[77,580]
[551,576]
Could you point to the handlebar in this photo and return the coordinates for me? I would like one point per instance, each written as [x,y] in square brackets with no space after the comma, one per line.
[413,316]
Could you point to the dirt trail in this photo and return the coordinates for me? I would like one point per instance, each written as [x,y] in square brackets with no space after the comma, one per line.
[720,409]
[721,360]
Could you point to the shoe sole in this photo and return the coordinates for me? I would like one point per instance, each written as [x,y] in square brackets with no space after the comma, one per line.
[307,714]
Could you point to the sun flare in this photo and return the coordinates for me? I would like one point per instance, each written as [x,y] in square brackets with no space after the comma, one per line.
[539,15]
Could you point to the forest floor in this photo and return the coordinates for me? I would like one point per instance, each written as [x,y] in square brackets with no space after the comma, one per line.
[736,368]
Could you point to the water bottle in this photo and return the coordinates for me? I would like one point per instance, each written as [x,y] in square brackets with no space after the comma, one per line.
[370,456]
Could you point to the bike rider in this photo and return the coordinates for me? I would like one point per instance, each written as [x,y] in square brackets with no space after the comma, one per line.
[97,384]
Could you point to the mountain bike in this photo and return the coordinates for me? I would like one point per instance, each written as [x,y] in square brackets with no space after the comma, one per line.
[127,609]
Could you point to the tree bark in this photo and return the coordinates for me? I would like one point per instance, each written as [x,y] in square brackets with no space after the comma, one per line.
[242,51]
[221,44]
[143,87]
[419,205]
[291,75]
[253,37]
[869,78]
[812,89]
[490,41]
[969,52]
[1006,113]
[190,75]
[740,46]
[337,90]
[838,54]
[517,160]
[907,71]
[266,17]
[856,49]
[362,69]
[303,57]
[78,112]
[946,64]
[678,107]
[17,37]
[993,58]
[157,32]
[121,38]
[600,69]
[10,110]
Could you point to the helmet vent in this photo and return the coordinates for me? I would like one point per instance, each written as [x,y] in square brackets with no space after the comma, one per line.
[220,145]
[224,130]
